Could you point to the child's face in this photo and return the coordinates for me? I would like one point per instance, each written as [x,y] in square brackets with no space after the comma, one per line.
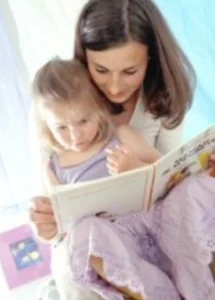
[72,126]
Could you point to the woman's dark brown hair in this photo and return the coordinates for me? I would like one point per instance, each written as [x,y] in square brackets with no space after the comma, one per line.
[170,78]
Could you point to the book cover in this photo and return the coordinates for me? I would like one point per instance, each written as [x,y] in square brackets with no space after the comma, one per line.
[118,194]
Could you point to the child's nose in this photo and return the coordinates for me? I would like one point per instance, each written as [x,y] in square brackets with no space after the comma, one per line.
[75,134]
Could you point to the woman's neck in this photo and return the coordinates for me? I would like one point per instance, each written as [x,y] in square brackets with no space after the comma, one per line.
[130,104]
[128,110]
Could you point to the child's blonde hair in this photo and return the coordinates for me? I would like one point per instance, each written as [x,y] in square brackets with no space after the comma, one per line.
[68,81]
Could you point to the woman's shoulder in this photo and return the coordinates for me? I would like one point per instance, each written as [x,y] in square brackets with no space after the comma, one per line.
[153,129]
[144,122]
[142,118]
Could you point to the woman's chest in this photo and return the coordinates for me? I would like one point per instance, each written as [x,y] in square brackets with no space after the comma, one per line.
[142,121]
[147,126]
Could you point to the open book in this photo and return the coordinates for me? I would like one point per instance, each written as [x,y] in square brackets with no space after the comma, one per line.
[133,190]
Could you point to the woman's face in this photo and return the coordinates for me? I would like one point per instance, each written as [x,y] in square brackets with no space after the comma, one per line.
[119,72]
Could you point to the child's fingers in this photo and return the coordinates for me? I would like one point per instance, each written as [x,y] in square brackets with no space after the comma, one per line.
[121,148]
[118,153]
[111,153]
[112,170]
[112,162]
[114,155]
[118,150]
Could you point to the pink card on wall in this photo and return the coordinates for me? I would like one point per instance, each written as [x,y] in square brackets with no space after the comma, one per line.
[22,257]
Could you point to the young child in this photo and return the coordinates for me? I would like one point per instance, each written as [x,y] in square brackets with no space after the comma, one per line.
[143,256]
[74,121]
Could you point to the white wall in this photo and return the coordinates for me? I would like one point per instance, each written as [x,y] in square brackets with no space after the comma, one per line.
[45,29]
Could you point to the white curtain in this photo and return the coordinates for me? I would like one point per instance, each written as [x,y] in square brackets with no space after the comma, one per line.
[45,29]
[15,171]
[31,32]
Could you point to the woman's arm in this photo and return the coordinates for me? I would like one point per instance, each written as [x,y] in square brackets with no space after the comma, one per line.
[42,218]
[41,213]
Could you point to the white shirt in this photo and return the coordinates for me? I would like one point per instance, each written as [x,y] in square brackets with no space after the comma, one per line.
[153,131]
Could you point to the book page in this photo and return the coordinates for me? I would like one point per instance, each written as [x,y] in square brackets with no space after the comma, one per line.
[188,159]
[110,196]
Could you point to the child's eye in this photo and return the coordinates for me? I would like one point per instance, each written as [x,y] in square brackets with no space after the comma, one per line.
[61,127]
[84,121]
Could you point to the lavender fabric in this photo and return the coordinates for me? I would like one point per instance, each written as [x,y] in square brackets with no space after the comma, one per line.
[163,254]
[92,168]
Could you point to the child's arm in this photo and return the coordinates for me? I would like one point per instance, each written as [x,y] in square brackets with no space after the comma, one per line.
[131,137]
[134,151]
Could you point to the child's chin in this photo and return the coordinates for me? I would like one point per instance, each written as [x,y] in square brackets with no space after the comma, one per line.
[78,148]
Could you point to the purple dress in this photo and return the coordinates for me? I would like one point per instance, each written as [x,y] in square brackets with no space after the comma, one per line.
[92,168]
[163,254]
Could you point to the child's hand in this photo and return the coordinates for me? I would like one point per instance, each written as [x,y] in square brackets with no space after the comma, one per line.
[122,158]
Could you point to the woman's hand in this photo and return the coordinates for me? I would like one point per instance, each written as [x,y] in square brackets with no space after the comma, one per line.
[212,165]
[42,218]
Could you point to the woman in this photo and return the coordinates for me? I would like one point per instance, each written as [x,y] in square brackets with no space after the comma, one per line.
[136,63]
[138,66]
[131,58]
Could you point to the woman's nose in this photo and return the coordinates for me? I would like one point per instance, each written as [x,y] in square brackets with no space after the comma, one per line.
[114,86]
